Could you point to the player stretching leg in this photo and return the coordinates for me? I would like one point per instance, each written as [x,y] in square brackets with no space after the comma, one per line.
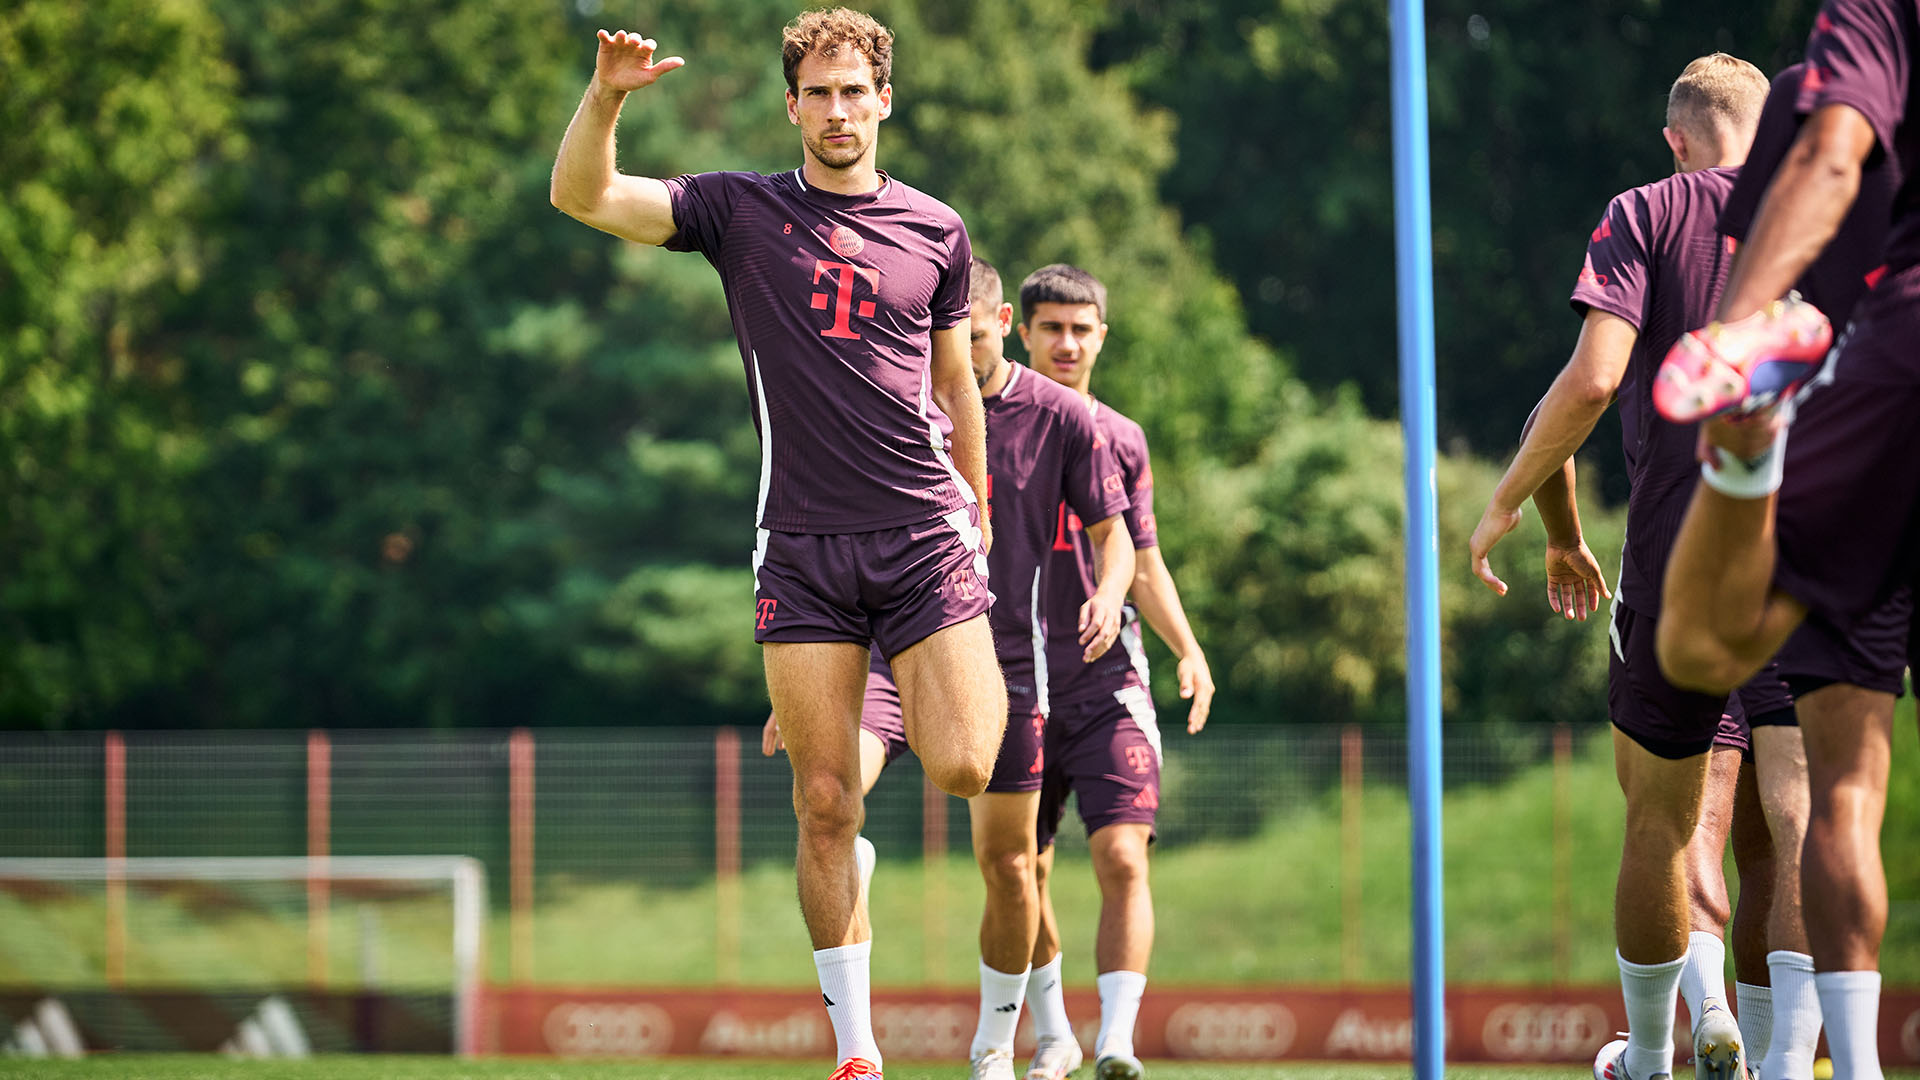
[848,292]
[1043,452]
[1103,740]
[1816,534]
[1653,263]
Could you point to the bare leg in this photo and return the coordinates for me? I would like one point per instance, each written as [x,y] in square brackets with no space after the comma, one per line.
[953,701]
[1708,907]
[1126,905]
[1046,938]
[1650,907]
[1720,620]
[873,759]
[1848,731]
[1780,761]
[1003,845]
[816,690]
[1753,858]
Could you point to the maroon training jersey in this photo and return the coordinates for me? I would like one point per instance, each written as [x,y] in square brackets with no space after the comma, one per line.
[1861,54]
[1842,272]
[1070,579]
[834,299]
[1043,455]
[1656,261]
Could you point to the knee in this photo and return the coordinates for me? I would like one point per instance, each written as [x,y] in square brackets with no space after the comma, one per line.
[965,777]
[1121,869]
[827,807]
[1661,825]
[1693,659]
[1009,872]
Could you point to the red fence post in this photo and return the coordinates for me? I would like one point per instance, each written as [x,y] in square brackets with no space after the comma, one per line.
[1352,841]
[1562,854]
[726,856]
[319,848]
[520,852]
[116,767]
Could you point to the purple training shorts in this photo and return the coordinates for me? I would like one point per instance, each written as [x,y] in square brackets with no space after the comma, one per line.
[892,587]
[1106,752]
[1672,723]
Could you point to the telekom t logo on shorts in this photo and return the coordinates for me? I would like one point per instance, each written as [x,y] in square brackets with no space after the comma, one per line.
[1140,757]
[767,608]
[963,583]
[844,309]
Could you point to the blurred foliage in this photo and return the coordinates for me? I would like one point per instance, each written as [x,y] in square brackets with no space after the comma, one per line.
[316,413]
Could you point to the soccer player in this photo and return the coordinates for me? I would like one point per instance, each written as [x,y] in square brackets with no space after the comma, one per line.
[1043,453]
[1102,739]
[1833,284]
[848,291]
[1817,536]
[1653,263]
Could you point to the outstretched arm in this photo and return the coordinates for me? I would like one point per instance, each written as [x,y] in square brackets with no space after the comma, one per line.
[1564,418]
[1157,598]
[586,184]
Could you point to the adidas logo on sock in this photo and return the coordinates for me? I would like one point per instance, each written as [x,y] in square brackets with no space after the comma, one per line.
[1012,1006]
[828,1000]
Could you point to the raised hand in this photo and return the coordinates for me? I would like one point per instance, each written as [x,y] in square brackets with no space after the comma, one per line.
[1575,582]
[626,62]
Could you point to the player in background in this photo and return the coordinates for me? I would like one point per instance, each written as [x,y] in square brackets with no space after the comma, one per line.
[1042,453]
[1102,739]
[1833,284]
[1816,536]
[848,292]
[1653,263]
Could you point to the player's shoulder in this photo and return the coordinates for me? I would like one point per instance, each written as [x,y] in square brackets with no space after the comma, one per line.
[1120,428]
[1049,396]
[923,204]
[1674,199]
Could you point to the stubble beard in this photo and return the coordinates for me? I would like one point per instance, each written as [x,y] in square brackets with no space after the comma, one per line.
[841,158]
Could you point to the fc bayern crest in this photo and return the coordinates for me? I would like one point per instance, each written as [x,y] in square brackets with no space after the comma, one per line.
[845,242]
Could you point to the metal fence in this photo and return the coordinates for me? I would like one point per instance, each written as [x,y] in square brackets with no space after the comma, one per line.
[664,855]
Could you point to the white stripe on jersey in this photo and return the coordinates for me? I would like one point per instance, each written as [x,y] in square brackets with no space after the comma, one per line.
[1039,646]
[766,470]
[939,444]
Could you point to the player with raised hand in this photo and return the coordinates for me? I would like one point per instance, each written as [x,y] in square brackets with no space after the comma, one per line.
[1653,264]
[848,293]
[1103,738]
[1042,453]
[1815,538]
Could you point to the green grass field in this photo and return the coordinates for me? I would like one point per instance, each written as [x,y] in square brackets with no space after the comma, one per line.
[186,1067]
[1268,908]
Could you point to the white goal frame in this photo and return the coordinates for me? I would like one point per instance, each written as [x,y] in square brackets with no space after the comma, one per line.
[466,876]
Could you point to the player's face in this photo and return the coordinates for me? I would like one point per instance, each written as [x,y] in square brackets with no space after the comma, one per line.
[838,108]
[991,323]
[1063,341]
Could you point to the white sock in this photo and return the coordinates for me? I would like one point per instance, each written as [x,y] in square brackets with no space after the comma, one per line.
[1705,973]
[1754,1010]
[1119,1006]
[1796,1013]
[1000,995]
[1651,992]
[844,986]
[864,857]
[1047,1002]
[1850,1002]
[1755,479]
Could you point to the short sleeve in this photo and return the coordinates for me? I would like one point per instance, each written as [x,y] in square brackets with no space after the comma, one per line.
[1614,278]
[1136,472]
[1093,484]
[950,297]
[1858,56]
[702,206]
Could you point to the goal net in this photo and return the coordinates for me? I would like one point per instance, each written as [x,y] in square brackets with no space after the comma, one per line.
[251,956]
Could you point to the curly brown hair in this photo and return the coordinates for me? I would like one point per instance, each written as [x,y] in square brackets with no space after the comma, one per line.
[824,31]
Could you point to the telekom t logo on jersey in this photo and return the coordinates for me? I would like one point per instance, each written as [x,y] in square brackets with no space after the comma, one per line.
[844,275]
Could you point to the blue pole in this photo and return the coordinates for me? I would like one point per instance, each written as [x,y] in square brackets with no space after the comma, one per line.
[1413,275]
